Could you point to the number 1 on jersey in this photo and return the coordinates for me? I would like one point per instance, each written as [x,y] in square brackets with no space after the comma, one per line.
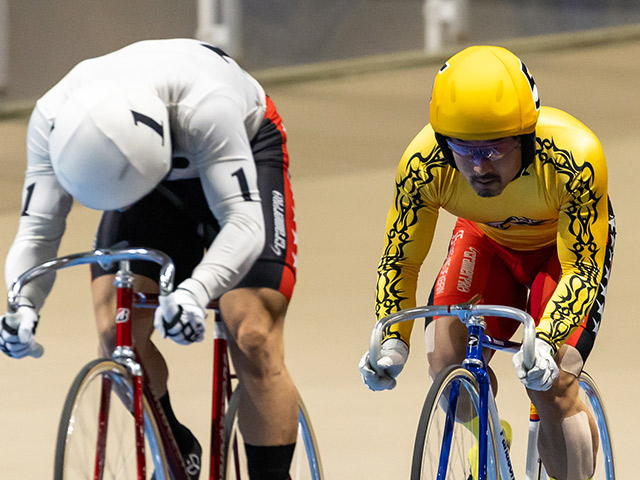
[27,200]
[244,186]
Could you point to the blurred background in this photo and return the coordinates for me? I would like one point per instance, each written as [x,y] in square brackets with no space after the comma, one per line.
[41,40]
[351,79]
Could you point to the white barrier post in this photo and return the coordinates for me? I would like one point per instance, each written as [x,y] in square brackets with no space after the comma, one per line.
[219,23]
[445,23]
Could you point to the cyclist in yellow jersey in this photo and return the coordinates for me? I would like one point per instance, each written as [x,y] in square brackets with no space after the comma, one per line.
[535,230]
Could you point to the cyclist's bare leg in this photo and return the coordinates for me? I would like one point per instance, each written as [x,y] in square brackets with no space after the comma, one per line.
[104,306]
[568,439]
[268,410]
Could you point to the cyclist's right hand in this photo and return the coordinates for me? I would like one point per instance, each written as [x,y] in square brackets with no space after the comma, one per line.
[393,356]
[543,373]
[180,317]
[17,333]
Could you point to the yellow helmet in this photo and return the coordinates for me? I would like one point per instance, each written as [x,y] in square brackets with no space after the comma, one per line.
[483,93]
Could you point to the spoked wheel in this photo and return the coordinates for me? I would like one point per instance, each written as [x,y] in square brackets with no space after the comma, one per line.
[305,465]
[446,442]
[97,428]
[591,397]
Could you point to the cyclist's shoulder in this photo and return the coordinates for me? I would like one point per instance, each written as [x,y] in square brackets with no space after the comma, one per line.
[423,152]
[568,151]
[557,131]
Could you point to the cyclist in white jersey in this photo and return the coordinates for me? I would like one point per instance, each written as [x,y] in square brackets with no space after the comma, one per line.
[183,152]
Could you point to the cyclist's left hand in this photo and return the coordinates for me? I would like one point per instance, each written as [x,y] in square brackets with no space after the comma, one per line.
[543,373]
[393,356]
[17,332]
[180,317]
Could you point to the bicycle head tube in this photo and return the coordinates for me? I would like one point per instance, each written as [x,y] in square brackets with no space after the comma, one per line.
[476,326]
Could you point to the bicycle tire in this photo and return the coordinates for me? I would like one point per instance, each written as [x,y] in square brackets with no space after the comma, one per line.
[305,465]
[605,462]
[75,456]
[429,441]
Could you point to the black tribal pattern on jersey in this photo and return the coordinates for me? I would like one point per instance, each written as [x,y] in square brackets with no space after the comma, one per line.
[570,305]
[407,202]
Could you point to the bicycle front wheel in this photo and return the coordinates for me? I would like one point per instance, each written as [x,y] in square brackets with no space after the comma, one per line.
[305,464]
[97,428]
[446,438]
[591,397]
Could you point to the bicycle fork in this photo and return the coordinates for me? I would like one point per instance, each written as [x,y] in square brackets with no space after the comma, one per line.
[474,362]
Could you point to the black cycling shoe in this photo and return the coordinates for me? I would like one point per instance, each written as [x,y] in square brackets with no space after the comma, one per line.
[192,458]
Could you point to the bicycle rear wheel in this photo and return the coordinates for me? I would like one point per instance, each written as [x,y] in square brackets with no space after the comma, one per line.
[443,439]
[100,400]
[590,395]
[305,465]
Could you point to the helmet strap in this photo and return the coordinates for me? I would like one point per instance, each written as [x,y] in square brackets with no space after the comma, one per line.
[446,151]
[528,148]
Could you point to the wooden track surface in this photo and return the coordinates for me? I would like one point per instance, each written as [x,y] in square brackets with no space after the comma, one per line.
[346,137]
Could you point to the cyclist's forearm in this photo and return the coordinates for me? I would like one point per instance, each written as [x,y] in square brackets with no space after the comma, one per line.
[401,331]
[570,304]
[396,290]
[33,244]
[229,258]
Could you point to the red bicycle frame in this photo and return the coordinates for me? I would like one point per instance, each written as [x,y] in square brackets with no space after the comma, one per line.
[221,391]
[125,355]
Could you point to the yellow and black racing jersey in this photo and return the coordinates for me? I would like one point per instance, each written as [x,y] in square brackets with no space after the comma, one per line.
[560,198]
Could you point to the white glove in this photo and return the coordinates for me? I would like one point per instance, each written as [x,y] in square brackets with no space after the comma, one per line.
[393,356]
[180,317]
[17,331]
[544,371]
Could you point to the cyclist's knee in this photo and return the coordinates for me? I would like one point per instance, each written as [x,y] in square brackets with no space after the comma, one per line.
[441,358]
[255,318]
[560,401]
[106,337]
[438,362]
[253,337]
[104,304]
[445,340]
[261,347]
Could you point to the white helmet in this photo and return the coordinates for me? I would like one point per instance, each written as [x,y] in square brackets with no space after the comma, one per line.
[110,147]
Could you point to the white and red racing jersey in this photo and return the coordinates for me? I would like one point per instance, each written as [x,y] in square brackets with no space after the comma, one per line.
[215,108]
